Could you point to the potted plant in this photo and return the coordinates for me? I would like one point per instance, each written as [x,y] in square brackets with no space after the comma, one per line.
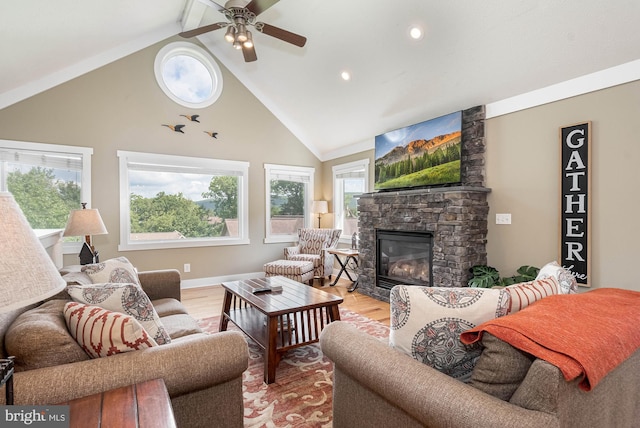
[483,276]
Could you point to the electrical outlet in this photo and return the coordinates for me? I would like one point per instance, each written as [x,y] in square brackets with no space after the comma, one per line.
[503,218]
[187,267]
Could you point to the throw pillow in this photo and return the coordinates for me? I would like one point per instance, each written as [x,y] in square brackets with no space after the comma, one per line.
[500,368]
[426,323]
[568,282]
[39,338]
[525,293]
[113,270]
[128,299]
[102,333]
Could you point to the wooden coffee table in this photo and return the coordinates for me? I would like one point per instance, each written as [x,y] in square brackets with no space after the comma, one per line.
[278,320]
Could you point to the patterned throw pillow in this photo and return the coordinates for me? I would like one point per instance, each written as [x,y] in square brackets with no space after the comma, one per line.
[568,283]
[128,299]
[426,323]
[525,293]
[102,333]
[119,270]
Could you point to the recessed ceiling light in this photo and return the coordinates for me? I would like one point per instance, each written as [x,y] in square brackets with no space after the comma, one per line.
[415,32]
[345,75]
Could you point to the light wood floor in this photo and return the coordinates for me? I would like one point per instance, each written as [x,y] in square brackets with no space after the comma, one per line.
[203,302]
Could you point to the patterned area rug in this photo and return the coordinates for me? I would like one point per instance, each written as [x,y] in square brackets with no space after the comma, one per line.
[302,393]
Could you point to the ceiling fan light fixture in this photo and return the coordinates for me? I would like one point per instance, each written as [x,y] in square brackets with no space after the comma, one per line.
[237,45]
[249,42]
[241,33]
[230,35]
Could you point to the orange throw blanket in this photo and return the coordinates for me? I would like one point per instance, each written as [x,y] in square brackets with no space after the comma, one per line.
[585,335]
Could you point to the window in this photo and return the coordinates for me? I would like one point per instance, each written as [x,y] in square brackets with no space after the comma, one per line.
[350,180]
[188,75]
[289,192]
[174,201]
[47,181]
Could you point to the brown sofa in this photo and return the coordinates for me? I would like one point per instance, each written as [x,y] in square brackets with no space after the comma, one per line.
[202,372]
[378,386]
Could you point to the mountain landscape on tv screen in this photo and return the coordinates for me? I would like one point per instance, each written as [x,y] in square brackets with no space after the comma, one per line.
[420,163]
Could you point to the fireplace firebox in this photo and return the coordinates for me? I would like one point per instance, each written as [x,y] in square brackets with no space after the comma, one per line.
[403,257]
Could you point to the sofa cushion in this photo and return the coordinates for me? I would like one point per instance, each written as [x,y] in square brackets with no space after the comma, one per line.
[539,389]
[567,282]
[526,293]
[180,325]
[128,299]
[101,332]
[167,306]
[426,323]
[39,338]
[500,368]
[118,270]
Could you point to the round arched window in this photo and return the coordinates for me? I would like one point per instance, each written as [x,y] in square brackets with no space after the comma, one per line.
[188,75]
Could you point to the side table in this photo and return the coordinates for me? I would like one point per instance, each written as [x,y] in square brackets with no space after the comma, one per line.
[347,255]
[142,405]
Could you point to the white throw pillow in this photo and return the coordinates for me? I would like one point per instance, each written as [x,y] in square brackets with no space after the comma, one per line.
[102,333]
[115,270]
[426,323]
[568,282]
[128,299]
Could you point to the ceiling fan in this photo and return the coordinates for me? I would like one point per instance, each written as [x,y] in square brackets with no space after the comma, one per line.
[240,16]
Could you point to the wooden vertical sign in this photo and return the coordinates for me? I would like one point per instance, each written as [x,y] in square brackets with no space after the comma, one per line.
[575,213]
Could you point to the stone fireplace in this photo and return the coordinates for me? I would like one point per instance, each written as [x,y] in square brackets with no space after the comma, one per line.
[454,219]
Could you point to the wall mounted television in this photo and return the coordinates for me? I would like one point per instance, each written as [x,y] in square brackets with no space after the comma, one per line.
[426,154]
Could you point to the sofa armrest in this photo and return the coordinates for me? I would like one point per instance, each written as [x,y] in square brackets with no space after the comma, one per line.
[160,284]
[194,363]
[424,394]
[291,251]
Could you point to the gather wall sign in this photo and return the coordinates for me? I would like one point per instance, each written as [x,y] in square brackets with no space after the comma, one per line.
[575,216]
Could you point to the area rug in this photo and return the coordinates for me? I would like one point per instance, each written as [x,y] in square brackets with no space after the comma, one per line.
[302,393]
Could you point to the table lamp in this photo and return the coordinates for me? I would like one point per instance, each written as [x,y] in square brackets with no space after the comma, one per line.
[319,207]
[27,273]
[85,222]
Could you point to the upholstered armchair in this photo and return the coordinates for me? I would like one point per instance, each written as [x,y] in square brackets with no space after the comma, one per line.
[312,246]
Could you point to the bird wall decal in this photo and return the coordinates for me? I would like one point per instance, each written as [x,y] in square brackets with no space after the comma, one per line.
[192,118]
[176,128]
[212,134]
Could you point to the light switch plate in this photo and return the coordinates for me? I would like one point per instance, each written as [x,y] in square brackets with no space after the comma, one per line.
[503,218]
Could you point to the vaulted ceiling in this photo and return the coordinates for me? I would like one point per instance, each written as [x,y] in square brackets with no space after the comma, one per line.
[473,52]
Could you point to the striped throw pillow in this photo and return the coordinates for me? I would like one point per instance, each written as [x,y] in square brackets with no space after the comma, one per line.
[102,333]
[525,293]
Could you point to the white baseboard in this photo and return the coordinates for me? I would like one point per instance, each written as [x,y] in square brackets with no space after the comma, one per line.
[215,280]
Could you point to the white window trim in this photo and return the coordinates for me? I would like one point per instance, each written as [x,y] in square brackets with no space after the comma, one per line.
[85,188]
[337,193]
[189,162]
[271,169]
[201,55]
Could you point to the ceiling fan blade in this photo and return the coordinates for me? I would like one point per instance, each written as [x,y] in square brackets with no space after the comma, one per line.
[202,30]
[259,6]
[249,54]
[281,34]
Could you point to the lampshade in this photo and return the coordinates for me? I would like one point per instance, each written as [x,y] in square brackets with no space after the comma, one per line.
[27,273]
[320,207]
[85,222]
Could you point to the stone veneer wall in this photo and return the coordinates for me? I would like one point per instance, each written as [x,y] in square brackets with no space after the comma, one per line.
[456,216]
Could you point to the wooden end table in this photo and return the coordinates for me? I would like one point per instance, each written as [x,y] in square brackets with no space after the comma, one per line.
[278,320]
[347,255]
[142,405]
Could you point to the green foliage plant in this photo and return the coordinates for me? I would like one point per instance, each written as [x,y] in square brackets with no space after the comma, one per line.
[484,276]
